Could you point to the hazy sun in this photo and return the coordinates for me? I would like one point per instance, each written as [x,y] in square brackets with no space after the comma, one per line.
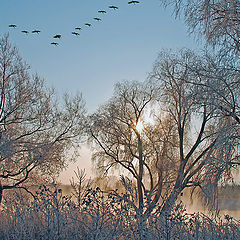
[139,126]
[145,121]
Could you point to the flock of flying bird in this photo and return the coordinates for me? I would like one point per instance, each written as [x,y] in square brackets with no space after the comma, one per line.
[77,29]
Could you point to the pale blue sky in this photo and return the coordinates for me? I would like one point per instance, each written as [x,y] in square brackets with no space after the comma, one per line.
[122,46]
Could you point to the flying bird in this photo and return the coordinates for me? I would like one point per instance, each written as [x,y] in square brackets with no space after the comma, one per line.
[24,31]
[102,11]
[113,7]
[36,31]
[54,43]
[133,2]
[97,19]
[12,26]
[75,33]
[88,24]
[57,36]
[78,28]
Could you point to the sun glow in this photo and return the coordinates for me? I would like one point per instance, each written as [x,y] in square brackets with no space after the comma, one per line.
[139,126]
[146,121]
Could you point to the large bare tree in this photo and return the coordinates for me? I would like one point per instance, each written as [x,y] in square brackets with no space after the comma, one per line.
[201,92]
[35,131]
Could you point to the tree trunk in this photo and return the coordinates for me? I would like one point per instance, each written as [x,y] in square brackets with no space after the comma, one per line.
[140,176]
[1,191]
[171,200]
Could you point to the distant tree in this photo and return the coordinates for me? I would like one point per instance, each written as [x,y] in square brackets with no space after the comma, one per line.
[218,21]
[80,186]
[35,131]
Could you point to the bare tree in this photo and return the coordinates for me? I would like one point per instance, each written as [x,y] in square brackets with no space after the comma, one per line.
[80,186]
[218,21]
[35,132]
[207,154]
[121,143]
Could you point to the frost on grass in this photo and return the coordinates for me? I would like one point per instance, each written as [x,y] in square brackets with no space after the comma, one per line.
[102,215]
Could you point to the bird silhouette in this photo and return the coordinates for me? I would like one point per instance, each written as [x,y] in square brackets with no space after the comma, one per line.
[101,11]
[113,7]
[57,36]
[36,31]
[133,2]
[54,43]
[75,33]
